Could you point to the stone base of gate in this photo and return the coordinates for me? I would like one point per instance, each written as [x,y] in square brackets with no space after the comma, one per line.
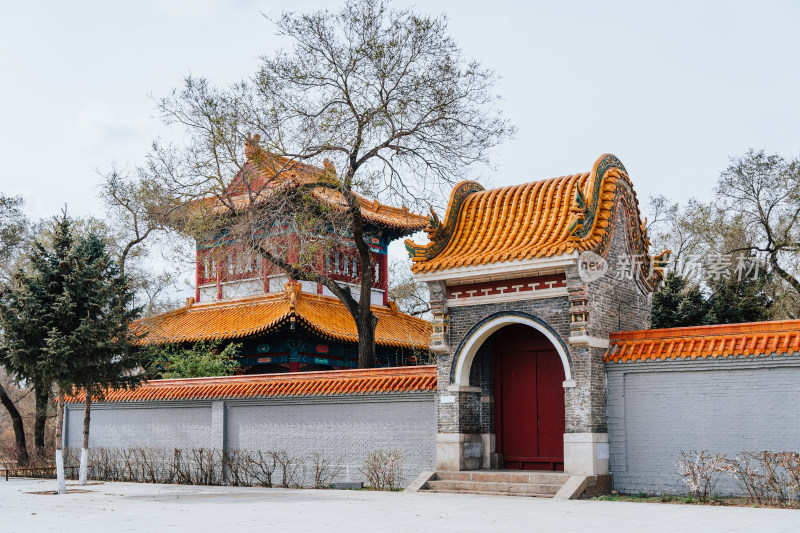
[459,451]
[466,451]
[586,453]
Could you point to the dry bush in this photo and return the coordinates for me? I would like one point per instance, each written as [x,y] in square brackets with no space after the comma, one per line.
[769,477]
[260,467]
[384,470]
[701,471]
[206,465]
[235,467]
[202,466]
[322,471]
[766,478]
[292,470]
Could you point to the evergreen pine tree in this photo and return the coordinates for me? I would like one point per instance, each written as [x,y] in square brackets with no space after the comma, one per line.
[678,304]
[66,321]
[26,318]
[735,300]
[90,346]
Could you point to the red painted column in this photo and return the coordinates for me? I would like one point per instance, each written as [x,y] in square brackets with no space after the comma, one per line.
[218,272]
[198,274]
[265,274]
[319,261]
[385,278]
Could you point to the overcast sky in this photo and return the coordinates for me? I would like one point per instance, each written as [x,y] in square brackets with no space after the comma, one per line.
[672,88]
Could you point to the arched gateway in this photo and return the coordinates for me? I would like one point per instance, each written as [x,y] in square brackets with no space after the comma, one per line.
[526,284]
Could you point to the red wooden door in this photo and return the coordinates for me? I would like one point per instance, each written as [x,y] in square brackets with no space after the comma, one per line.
[529,400]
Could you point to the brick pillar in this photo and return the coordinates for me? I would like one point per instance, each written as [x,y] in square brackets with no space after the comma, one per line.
[217,432]
[459,444]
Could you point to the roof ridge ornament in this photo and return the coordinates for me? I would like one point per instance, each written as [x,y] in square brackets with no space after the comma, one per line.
[439,234]
[292,290]
[587,201]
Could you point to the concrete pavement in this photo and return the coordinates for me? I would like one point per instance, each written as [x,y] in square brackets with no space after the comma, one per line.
[122,507]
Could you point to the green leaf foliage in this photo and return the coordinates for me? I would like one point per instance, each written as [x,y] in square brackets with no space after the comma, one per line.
[203,359]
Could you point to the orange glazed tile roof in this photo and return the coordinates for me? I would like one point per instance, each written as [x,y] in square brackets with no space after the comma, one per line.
[324,315]
[751,339]
[537,219]
[326,383]
[265,171]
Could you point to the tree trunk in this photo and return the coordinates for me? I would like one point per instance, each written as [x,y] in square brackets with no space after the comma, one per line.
[87,415]
[42,394]
[365,325]
[21,449]
[62,482]
[791,280]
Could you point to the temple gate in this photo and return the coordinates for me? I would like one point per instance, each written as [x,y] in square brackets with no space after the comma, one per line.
[526,284]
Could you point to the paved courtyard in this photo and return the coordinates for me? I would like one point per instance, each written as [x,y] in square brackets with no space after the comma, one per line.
[122,507]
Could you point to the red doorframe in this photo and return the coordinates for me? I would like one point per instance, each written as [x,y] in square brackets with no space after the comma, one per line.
[529,400]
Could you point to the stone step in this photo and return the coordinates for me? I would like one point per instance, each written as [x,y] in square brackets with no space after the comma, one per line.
[531,489]
[548,478]
[485,493]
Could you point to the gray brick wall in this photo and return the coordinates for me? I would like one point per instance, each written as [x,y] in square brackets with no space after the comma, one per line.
[658,409]
[342,429]
[156,425]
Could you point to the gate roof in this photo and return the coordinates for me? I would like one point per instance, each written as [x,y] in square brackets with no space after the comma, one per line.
[538,219]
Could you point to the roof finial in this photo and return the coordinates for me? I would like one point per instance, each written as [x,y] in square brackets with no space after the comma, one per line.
[251,145]
[292,289]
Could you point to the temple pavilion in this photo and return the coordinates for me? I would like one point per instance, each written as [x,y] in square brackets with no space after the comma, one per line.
[288,325]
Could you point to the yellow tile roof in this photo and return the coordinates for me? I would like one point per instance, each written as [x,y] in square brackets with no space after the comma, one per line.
[327,383]
[750,339]
[266,171]
[324,315]
[538,219]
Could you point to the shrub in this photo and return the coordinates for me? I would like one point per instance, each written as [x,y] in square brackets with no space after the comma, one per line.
[701,471]
[384,470]
[768,477]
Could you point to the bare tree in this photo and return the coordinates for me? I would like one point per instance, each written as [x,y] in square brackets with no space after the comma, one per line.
[762,193]
[13,230]
[411,296]
[688,231]
[754,217]
[385,95]
[139,210]
[20,446]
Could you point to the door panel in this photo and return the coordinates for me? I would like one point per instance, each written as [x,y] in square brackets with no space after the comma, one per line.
[550,391]
[529,400]
[519,418]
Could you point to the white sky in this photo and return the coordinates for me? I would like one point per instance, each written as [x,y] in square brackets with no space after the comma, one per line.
[672,88]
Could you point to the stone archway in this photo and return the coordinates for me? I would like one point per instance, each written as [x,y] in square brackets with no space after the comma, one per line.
[463,406]
[465,354]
